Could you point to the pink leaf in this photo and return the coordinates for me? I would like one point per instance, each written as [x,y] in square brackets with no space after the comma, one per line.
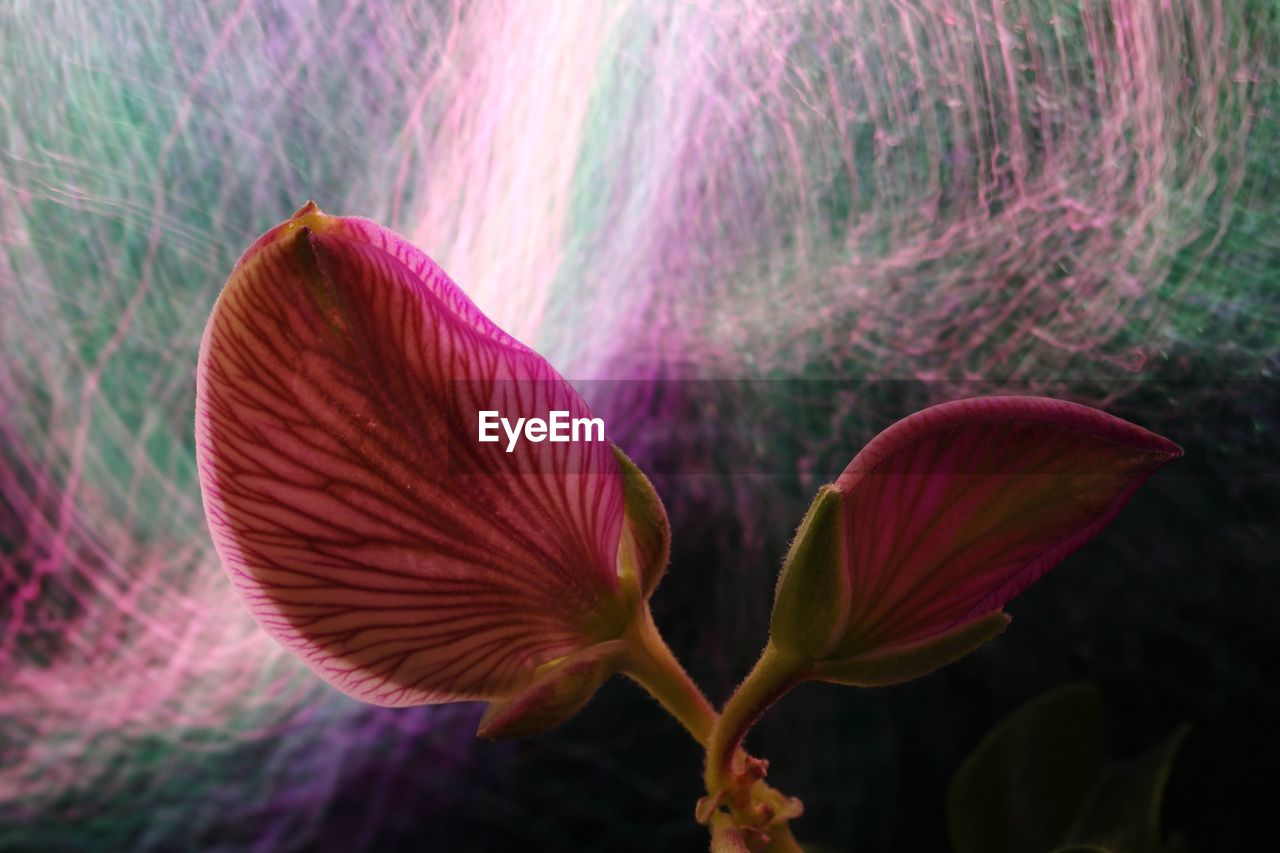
[956,509]
[339,382]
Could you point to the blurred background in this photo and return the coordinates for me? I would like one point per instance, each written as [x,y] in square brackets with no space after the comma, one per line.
[786,225]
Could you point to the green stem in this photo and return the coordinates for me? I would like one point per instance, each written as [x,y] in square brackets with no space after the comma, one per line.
[650,663]
[773,675]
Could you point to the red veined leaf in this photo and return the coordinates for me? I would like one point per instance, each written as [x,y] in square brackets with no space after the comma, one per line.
[339,382]
[956,509]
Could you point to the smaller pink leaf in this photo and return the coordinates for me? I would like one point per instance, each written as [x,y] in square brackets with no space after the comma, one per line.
[953,511]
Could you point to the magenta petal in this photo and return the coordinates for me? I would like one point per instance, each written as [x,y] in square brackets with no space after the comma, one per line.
[956,509]
[338,385]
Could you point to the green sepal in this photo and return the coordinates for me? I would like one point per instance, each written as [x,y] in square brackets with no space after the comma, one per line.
[906,663]
[646,526]
[558,691]
[811,605]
